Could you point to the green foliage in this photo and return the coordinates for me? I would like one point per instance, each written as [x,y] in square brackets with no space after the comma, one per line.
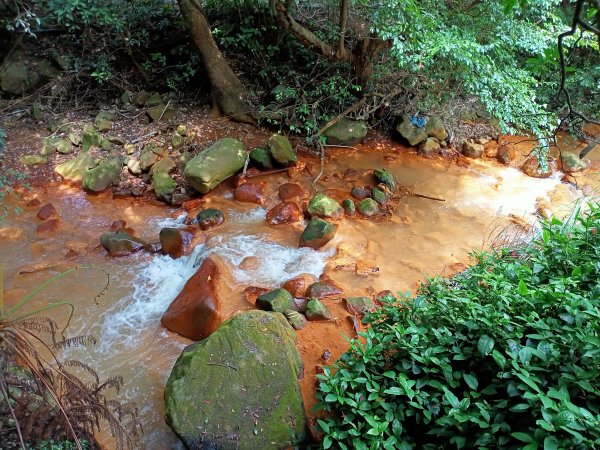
[61,445]
[504,355]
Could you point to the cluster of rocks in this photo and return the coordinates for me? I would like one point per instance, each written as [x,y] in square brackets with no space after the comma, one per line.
[21,74]
[431,140]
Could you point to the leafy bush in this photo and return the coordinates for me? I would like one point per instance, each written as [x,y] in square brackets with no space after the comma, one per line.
[504,355]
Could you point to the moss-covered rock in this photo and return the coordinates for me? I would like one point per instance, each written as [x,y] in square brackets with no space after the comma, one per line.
[572,163]
[75,169]
[472,149]
[387,178]
[359,305]
[281,150]
[177,140]
[239,387]
[297,320]
[325,207]
[316,310]
[410,132]
[349,207]
[209,218]
[379,196]
[166,165]
[122,244]
[161,112]
[261,157]
[55,144]
[429,148]
[368,207]
[317,233]
[215,164]
[278,300]
[347,132]
[435,128]
[91,138]
[163,186]
[103,175]
[33,160]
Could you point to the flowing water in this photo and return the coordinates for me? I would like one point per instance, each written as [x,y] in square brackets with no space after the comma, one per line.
[466,209]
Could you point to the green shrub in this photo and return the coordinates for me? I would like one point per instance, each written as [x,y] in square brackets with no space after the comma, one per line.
[504,355]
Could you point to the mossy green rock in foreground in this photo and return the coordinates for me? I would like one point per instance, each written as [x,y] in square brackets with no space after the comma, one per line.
[278,300]
[323,206]
[239,387]
[347,132]
[281,150]
[317,233]
[102,176]
[215,164]
[76,168]
[163,186]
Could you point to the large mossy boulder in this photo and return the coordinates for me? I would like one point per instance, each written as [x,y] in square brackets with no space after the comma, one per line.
[435,128]
[413,134]
[281,150]
[76,168]
[103,175]
[215,164]
[239,387]
[347,132]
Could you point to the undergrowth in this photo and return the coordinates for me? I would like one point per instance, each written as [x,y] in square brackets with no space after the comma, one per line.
[504,355]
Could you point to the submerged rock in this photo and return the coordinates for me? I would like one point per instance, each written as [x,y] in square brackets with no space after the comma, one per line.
[297,286]
[317,233]
[281,150]
[196,311]
[103,175]
[284,213]
[278,300]
[47,211]
[410,132]
[316,310]
[122,244]
[325,207]
[174,242]
[250,193]
[359,305]
[210,218]
[215,164]
[239,388]
[360,193]
[322,289]
[347,132]
[289,191]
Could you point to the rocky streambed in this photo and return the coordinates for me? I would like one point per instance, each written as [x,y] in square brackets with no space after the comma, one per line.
[311,249]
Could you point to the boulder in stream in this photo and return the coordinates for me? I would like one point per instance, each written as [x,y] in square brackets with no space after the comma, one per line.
[325,207]
[122,244]
[429,148]
[532,168]
[215,164]
[239,388]
[250,193]
[387,178]
[196,311]
[297,286]
[472,149]
[105,174]
[209,218]
[506,154]
[359,305]
[175,242]
[322,289]
[435,128]
[261,157]
[278,300]
[289,191]
[284,213]
[317,233]
[572,163]
[347,132]
[75,169]
[297,320]
[316,310]
[349,207]
[281,150]
[368,207]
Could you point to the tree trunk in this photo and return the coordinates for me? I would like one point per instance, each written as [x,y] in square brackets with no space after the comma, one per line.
[365,52]
[228,93]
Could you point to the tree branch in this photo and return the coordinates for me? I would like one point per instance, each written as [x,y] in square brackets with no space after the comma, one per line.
[341,50]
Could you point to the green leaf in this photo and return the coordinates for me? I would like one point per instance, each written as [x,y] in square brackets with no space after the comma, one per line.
[451,398]
[471,381]
[327,441]
[324,425]
[523,437]
[522,288]
[485,344]
[550,443]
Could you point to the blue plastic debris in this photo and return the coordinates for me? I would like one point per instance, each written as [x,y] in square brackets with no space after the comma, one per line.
[418,121]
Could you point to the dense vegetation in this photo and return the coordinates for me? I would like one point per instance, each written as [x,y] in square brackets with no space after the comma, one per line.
[302,63]
[504,355]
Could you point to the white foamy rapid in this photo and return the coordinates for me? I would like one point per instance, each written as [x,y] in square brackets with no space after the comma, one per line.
[168,222]
[160,280]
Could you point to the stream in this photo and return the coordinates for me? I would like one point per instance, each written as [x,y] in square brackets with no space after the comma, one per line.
[478,205]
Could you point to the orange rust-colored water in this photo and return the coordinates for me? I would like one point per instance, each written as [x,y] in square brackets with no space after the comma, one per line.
[422,237]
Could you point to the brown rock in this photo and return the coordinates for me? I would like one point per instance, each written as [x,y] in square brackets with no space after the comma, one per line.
[253,292]
[48,227]
[196,311]
[250,192]
[298,286]
[284,213]
[360,193]
[250,263]
[47,211]
[193,204]
[506,154]
[532,168]
[288,191]
[323,289]
[118,225]
[491,150]
[175,242]
[350,175]
[33,203]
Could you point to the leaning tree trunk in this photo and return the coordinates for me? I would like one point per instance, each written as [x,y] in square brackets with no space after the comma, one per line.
[227,90]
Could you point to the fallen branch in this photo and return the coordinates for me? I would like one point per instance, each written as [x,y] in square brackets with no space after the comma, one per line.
[144,137]
[430,198]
